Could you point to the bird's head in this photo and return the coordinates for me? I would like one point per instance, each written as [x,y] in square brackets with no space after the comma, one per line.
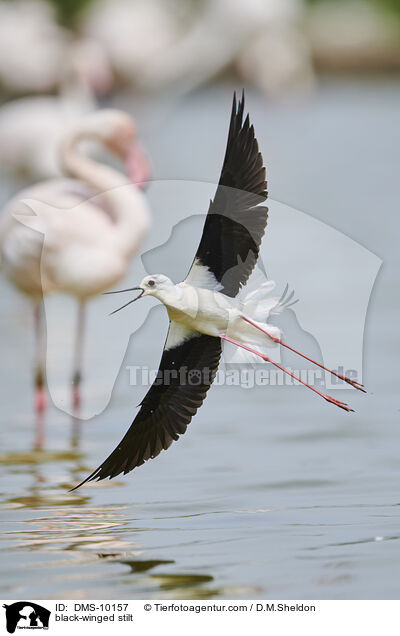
[152,285]
[156,285]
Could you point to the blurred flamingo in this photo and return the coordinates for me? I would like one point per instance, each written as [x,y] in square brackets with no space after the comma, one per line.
[92,222]
[134,33]
[32,47]
[31,127]
[160,47]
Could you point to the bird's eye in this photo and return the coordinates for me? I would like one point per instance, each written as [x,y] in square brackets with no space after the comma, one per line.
[151,283]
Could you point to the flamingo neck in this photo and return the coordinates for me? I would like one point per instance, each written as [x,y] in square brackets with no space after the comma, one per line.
[125,200]
[75,164]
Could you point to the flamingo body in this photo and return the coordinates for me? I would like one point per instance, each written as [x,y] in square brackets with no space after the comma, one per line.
[72,249]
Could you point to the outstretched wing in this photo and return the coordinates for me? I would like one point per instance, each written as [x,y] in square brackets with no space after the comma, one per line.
[187,370]
[235,221]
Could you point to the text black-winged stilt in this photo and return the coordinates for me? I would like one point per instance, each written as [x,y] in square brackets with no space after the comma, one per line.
[203,310]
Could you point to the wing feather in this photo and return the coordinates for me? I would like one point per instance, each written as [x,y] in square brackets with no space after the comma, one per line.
[235,222]
[168,407]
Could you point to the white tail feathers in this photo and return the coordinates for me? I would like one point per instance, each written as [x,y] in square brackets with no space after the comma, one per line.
[259,305]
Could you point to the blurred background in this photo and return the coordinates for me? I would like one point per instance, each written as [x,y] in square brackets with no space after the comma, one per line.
[165,45]
[279,496]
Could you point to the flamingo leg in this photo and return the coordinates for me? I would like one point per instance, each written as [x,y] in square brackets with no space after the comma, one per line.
[328,398]
[353,383]
[40,399]
[39,364]
[78,356]
[75,431]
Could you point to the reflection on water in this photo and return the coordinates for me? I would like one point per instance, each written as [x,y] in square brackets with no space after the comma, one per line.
[143,566]
[111,540]
[79,535]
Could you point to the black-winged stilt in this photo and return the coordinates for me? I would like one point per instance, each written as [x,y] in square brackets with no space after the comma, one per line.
[203,310]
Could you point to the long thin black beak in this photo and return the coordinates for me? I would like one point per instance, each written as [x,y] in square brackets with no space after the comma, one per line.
[119,291]
[130,302]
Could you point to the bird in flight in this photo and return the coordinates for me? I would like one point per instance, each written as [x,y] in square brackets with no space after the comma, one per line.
[203,310]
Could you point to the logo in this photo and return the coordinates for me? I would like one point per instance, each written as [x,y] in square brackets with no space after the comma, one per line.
[327,323]
[26,615]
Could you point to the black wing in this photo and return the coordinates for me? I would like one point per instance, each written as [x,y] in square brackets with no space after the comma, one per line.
[187,370]
[235,223]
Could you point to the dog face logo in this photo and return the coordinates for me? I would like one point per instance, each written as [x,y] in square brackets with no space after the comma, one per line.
[194,377]
[26,615]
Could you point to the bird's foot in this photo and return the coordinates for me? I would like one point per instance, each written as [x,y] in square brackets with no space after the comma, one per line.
[353,383]
[341,405]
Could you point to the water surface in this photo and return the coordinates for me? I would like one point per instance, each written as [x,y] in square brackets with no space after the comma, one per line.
[272,493]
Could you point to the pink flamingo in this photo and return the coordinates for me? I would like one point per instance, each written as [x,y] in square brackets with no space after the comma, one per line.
[93,223]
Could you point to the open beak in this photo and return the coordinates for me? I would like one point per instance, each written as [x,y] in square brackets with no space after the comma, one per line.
[120,291]
[137,165]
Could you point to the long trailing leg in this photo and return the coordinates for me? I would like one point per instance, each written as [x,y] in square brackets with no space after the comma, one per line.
[78,356]
[353,383]
[328,398]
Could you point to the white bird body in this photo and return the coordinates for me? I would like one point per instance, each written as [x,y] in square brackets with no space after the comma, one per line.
[211,312]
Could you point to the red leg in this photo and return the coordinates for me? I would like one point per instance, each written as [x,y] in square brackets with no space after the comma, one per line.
[353,383]
[328,398]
